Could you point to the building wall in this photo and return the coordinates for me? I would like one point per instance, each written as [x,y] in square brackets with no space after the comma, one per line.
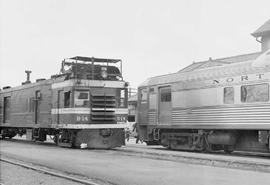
[265,42]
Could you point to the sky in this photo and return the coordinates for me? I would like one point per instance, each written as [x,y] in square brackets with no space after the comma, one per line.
[152,37]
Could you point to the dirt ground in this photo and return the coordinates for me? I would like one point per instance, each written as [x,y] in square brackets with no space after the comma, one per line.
[114,167]
[15,175]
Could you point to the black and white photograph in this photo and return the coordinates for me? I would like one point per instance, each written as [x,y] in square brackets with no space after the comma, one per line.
[125,92]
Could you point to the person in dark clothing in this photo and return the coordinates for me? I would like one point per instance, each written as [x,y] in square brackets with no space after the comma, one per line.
[137,133]
[127,131]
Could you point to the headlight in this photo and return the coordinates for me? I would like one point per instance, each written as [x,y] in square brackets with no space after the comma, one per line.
[104,73]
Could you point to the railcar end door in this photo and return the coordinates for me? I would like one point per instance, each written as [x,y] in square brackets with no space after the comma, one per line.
[165,105]
[6,115]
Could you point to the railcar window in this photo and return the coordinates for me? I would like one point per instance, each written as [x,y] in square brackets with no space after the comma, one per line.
[7,106]
[151,90]
[255,93]
[165,95]
[67,99]
[228,97]
[81,99]
[143,96]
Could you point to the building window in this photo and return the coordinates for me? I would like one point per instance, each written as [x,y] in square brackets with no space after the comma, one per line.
[67,99]
[228,95]
[255,93]
[81,99]
[165,95]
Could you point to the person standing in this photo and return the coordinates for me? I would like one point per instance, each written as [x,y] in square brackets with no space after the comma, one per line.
[127,131]
[135,129]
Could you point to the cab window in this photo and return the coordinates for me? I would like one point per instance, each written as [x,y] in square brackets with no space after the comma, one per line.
[165,95]
[255,93]
[81,99]
[143,96]
[67,99]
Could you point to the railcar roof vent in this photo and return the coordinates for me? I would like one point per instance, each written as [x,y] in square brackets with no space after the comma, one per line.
[40,79]
[6,87]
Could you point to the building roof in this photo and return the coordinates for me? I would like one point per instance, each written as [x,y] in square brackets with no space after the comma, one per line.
[223,67]
[263,30]
[220,62]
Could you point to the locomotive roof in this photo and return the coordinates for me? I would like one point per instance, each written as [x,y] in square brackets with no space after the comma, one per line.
[92,59]
[218,68]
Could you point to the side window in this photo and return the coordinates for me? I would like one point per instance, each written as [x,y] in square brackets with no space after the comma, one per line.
[255,93]
[228,95]
[81,99]
[165,95]
[67,99]
[143,95]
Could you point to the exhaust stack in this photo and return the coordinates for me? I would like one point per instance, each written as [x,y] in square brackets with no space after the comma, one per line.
[27,78]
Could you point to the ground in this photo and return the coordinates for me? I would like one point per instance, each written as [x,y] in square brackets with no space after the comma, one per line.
[115,167]
[16,175]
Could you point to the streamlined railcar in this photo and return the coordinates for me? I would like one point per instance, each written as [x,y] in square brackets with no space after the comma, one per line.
[221,106]
[83,106]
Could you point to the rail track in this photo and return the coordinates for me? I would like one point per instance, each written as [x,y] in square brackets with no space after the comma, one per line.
[237,160]
[53,172]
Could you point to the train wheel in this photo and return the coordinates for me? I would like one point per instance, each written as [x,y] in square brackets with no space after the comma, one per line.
[55,138]
[228,149]
[65,138]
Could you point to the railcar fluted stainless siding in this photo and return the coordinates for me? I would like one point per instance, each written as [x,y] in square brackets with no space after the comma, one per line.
[224,114]
[152,117]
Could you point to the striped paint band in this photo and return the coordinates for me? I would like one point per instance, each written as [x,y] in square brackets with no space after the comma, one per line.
[79,110]
[214,124]
[235,125]
[89,83]
[89,126]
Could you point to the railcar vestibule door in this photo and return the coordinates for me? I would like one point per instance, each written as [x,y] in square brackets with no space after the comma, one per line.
[60,104]
[6,109]
[165,105]
[37,106]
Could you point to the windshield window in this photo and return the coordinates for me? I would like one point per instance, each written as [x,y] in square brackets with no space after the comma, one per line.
[81,99]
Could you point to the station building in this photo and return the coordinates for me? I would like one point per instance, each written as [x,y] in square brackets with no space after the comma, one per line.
[262,35]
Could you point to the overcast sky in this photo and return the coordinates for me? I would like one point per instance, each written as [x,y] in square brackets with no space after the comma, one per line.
[151,37]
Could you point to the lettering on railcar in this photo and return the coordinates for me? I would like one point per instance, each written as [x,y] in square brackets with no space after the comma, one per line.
[239,79]
[82,118]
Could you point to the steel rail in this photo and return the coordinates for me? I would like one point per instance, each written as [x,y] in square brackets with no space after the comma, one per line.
[49,172]
[216,159]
